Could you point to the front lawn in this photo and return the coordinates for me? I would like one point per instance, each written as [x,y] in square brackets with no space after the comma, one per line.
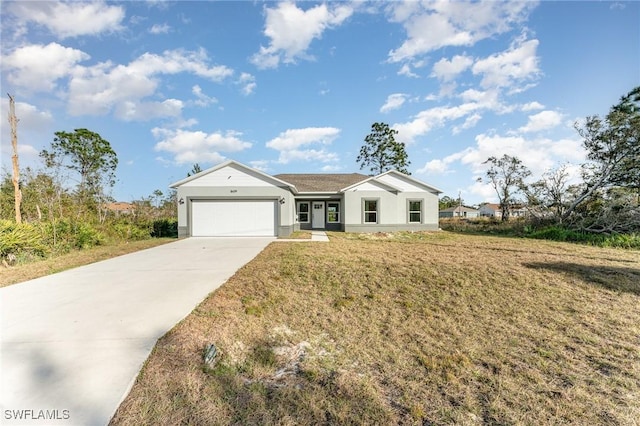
[425,328]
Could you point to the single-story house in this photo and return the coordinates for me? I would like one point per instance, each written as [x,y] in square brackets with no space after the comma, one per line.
[120,207]
[459,211]
[232,199]
[493,210]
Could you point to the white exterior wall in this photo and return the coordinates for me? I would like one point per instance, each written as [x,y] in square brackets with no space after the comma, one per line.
[229,183]
[392,209]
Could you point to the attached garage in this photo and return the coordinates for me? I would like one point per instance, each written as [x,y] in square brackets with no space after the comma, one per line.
[233,218]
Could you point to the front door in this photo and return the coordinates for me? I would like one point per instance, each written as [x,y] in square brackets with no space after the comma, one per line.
[317,215]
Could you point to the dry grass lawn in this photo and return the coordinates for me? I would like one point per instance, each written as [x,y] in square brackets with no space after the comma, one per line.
[40,268]
[425,328]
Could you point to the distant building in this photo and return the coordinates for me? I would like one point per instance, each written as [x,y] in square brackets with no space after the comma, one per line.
[459,211]
[493,210]
[120,208]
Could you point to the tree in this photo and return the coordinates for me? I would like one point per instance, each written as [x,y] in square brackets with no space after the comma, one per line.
[549,196]
[194,170]
[613,149]
[13,122]
[86,153]
[506,175]
[381,151]
[448,202]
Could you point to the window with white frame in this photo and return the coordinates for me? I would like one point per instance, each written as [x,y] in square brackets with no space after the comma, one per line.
[370,211]
[333,211]
[415,211]
[303,211]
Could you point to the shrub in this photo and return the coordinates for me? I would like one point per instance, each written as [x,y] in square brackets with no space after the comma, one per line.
[627,241]
[25,237]
[87,236]
[165,228]
[130,231]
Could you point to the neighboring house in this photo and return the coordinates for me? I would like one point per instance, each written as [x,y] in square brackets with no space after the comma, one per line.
[232,199]
[120,207]
[459,211]
[493,210]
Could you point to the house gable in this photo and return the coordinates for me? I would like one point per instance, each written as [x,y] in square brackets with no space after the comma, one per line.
[371,184]
[234,174]
[405,183]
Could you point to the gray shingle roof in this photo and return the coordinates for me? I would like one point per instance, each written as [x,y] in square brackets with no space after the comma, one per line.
[321,182]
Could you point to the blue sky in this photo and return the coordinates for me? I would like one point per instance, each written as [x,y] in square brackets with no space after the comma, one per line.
[294,87]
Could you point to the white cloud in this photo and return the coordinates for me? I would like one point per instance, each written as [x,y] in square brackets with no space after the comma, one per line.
[69,18]
[202,99]
[98,89]
[516,65]
[197,146]
[248,83]
[177,61]
[38,68]
[31,118]
[536,153]
[143,111]
[394,101]
[438,166]
[290,142]
[469,122]
[433,25]
[262,165]
[295,138]
[427,120]
[542,121]
[321,155]
[406,71]
[447,70]
[160,29]
[532,106]
[292,30]
[34,126]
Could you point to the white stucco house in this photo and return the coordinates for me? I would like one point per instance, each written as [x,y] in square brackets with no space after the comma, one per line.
[494,210]
[232,199]
[459,211]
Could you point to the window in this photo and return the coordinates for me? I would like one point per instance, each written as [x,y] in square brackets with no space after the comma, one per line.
[303,212]
[415,211]
[370,211]
[333,212]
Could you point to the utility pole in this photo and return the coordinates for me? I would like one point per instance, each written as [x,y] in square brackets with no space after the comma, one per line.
[13,122]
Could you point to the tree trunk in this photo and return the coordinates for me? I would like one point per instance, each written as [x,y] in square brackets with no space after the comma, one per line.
[13,122]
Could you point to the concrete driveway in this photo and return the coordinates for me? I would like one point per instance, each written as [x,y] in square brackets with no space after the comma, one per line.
[72,343]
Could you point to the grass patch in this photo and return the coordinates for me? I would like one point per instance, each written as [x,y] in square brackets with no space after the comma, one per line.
[407,328]
[299,235]
[38,267]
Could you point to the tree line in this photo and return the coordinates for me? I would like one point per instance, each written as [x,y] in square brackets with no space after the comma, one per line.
[607,198]
[605,201]
[66,201]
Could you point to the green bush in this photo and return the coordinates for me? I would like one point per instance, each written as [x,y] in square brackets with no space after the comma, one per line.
[25,237]
[165,228]
[130,231]
[87,236]
[558,233]
[627,241]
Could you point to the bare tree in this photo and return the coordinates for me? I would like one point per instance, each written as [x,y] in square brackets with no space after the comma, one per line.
[506,175]
[13,122]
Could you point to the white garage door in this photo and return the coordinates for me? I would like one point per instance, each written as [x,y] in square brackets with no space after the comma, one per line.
[247,218]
